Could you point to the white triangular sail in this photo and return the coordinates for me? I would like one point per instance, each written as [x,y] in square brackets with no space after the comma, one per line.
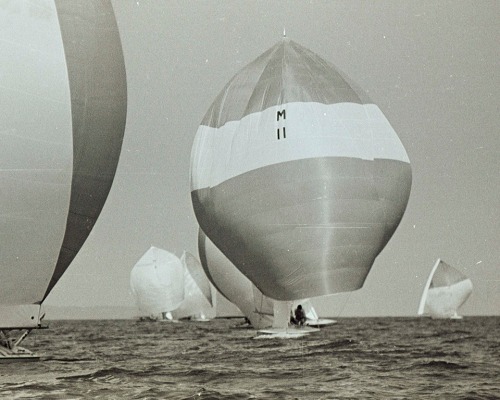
[157,281]
[445,291]
[199,296]
[194,270]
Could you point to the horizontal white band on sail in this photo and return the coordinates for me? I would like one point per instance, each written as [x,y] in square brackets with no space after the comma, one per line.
[19,316]
[304,130]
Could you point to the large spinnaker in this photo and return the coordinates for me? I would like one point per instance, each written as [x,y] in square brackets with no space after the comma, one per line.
[98,87]
[61,129]
[446,290]
[36,153]
[297,177]
[157,282]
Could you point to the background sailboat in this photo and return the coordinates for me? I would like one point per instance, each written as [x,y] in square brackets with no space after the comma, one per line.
[157,282]
[63,119]
[445,291]
[199,295]
[169,288]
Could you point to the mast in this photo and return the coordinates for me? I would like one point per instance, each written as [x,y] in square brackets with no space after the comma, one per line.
[421,307]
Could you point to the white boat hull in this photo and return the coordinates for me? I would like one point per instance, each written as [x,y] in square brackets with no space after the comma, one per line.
[17,354]
[320,322]
[285,333]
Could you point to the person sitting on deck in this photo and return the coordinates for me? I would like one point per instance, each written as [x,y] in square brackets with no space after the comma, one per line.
[300,316]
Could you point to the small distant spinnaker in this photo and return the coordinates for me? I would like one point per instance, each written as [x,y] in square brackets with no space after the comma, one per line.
[157,282]
[446,290]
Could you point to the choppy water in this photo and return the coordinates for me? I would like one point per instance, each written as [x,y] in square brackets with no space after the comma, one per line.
[365,358]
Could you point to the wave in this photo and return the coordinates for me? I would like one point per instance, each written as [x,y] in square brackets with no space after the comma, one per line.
[440,364]
[113,374]
[353,360]
[205,394]
[333,344]
[67,359]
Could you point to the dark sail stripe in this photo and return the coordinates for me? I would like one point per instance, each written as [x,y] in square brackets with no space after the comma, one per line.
[98,89]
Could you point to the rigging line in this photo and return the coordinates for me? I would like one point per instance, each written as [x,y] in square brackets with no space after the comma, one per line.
[343,306]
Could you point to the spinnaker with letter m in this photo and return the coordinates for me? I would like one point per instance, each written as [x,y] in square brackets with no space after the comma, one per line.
[297,177]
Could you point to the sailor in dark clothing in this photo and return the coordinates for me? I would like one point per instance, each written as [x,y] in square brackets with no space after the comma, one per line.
[300,315]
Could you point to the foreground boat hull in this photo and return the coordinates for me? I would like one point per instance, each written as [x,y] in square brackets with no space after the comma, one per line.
[19,358]
[17,354]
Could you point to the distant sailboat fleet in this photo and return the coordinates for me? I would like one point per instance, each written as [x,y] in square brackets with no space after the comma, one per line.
[168,288]
[298,180]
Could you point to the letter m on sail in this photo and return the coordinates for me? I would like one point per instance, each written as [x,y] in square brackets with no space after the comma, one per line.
[280,114]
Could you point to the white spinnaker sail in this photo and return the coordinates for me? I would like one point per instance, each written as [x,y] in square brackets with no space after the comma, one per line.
[60,138]
[157,281]
[198,300]
[445,291]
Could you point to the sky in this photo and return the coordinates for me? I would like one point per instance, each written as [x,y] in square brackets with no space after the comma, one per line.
[431,67]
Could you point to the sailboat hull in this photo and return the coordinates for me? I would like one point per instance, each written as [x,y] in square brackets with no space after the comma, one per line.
[288,333]
[18,357]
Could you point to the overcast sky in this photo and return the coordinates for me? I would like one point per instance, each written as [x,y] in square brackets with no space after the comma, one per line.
[432,68]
